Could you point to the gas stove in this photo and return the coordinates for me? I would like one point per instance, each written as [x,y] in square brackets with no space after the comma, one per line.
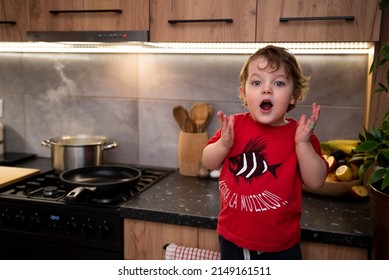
[47,188]
[38,222]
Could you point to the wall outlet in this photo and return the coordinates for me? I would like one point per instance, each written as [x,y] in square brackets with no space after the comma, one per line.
[1,108]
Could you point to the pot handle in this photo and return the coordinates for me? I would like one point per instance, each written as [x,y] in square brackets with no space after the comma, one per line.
[46,143]
[109,146]
[73,194]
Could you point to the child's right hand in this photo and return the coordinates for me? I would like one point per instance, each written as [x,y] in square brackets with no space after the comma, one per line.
[227,129]
[214,154]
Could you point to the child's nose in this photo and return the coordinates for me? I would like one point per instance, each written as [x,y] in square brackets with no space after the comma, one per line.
[266,90]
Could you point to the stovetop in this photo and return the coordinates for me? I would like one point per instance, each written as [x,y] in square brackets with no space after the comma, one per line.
[47,188]
[37,222]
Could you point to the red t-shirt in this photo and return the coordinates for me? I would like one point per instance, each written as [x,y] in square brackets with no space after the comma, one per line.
[260,186]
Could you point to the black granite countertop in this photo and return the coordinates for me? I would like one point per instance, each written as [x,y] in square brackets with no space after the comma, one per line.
[43,164]
[192,202]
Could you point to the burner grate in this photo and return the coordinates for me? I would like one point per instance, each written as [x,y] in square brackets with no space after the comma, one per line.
[48,187]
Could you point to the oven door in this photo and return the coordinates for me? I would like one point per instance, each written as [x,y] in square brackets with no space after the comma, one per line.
[19,247]
[33,230]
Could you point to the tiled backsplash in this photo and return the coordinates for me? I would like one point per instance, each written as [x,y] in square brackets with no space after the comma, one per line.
[130,97]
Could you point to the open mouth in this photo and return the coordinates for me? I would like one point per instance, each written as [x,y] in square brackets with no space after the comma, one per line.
[266,105]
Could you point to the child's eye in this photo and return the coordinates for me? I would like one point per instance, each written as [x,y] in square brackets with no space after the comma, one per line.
[279,83]
[256,83]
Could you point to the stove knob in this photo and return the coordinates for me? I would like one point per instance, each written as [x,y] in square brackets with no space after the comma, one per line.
[20,219]
[72,226]
[6,217]
[35,221]
[88,227]
[105,230]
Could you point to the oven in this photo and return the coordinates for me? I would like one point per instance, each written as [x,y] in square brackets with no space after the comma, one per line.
[37,222]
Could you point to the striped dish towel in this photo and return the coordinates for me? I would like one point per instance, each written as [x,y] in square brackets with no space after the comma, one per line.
[175,252]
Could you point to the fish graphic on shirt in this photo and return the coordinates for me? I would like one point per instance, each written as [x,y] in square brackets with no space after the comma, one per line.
[252,163]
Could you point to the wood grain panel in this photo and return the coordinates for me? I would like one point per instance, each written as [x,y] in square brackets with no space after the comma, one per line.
[145,240]
[208,239]
[364,27]
[321,251]
[10,175]
[16,11]
[242,13]
[134,16]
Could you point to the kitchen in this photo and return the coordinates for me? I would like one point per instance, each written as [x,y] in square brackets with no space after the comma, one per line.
[130,96]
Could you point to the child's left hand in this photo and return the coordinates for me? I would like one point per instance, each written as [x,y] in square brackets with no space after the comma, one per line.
[305,127]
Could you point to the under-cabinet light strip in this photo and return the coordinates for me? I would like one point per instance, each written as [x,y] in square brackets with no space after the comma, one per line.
[189,48]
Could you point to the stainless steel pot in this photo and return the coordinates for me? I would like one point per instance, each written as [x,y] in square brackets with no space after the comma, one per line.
[70,152]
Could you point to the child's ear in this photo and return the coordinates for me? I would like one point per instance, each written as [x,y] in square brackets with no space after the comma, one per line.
[242,93]
[292,100]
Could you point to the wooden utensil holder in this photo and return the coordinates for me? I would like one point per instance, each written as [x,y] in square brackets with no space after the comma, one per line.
[190,151]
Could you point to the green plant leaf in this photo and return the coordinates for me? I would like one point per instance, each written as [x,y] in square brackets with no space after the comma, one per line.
[361,157]
[367,146]
[387,81]
[385,153]
[385,53]
[385,183]
[377,175]
[361,137]
[376,133]
[372,66]
[364,167]
[383,3]
[380,176]
[382,157]
[378,90]
[382,61]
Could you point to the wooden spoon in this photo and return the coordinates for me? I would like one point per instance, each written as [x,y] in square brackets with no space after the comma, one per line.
[179,116]
[199,114]
[210,114]
[182,118]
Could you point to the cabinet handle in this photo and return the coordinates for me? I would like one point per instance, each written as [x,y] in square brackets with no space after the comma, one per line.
[57,12]
[7,22]
[286,19]
[175,21]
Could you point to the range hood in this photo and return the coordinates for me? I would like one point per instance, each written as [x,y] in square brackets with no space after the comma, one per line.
[88,36]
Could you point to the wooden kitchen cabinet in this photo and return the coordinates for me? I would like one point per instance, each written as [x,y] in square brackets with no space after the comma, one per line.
[144,240]
[318,20]
[14,20]
[202,20]
[379,104]
[321,251]
[89,15]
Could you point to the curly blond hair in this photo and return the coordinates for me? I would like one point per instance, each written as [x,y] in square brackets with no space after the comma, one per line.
[277,56]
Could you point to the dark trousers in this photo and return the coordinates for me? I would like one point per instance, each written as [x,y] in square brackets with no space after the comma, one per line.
[230,251]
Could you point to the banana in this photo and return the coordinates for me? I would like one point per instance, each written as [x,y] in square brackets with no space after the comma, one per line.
[351,142]
[345,145]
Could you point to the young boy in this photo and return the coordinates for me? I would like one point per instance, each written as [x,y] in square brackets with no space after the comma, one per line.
[265,158]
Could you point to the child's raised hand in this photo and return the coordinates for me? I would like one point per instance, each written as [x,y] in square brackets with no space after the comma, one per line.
[227,129]
[306,127]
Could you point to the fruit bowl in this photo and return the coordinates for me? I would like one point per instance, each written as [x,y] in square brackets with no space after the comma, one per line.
[334,188]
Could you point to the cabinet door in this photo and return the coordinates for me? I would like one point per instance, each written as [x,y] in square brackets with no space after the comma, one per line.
[14,20]
[202,20]
[145,240]
[321,251]
[89,15]
[318,20]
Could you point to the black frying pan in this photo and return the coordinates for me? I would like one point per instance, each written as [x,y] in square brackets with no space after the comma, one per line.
[101,178]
